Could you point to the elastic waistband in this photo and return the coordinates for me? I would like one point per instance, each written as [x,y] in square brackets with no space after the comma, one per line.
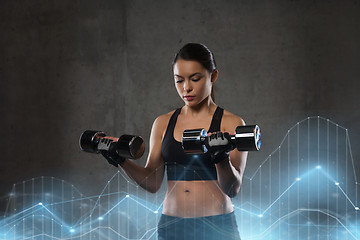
[217,217]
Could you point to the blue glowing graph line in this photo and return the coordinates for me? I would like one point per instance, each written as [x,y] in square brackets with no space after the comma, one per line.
[299,179]
[258,236]
[96,217]
[86,198]
[32,180]
[286,190]
[56,219]
[254,237]
[254,214]
[287,135]
[262,234]
[102,192]
[82,235]
[351,156]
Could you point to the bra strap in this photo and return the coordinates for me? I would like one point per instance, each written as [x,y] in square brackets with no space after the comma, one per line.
[216,120]
[172,122]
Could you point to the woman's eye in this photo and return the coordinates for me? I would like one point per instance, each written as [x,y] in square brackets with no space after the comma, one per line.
[179,81]
[196,79]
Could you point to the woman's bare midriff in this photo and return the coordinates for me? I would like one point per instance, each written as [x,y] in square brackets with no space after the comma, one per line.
[189,199]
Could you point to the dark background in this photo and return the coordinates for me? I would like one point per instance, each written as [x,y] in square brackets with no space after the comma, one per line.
[68,66]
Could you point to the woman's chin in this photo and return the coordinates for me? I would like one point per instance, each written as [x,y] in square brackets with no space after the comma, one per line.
[190,103]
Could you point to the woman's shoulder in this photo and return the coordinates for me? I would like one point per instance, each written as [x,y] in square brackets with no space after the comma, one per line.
[230,121]
[162,120]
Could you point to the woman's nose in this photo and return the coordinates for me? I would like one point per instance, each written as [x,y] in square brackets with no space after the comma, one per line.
[187,86]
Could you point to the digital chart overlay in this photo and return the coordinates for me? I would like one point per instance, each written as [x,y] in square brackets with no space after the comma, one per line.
[307,188]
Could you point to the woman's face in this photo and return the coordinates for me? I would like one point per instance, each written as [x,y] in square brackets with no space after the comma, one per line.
[193,82]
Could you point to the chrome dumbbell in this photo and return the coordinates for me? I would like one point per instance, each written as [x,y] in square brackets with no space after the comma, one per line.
[246,138]
[127,146]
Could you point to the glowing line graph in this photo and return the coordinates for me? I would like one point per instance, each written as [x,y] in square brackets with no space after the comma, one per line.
[336,183]
[255,214]
[287,135]
[262,234]
[56,219]
[296,181]
[90,220]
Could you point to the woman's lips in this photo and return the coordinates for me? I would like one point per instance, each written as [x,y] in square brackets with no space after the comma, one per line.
[189,98]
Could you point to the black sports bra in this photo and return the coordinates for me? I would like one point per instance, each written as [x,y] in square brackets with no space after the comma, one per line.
[188,167]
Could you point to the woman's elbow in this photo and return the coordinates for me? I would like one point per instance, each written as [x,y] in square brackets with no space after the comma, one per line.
[234,189]
[153,190]
[233,192]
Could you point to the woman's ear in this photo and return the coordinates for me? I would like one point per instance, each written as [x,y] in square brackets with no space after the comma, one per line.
[214,75]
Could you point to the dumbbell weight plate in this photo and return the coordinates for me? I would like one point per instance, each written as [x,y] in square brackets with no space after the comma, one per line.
[130,146]
[248,138]
[89,140]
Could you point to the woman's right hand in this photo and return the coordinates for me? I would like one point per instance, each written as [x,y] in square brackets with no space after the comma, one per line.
[219,146]
[111,156]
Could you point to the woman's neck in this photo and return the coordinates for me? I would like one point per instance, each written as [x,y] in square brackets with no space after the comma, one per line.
[205,107]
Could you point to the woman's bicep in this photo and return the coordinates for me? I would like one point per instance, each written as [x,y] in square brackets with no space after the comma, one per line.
[237,158]
[154,160]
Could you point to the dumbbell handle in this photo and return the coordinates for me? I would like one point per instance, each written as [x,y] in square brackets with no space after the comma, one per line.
[127,146]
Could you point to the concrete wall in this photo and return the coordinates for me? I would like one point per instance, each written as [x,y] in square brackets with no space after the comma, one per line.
[68,66]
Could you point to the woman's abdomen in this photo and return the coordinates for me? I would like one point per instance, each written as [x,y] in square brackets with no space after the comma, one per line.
[190,199]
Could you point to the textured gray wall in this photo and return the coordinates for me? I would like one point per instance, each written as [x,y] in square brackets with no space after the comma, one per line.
[68,66]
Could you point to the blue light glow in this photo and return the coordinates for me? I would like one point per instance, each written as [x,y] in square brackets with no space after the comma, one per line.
[285,197]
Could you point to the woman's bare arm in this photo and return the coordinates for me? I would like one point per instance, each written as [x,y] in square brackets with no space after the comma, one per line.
[230,172]
[151,176]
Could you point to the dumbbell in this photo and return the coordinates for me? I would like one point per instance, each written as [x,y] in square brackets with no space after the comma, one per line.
[246,138]
[127,146]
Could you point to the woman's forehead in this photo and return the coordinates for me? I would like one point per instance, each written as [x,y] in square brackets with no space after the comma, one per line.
[184,67]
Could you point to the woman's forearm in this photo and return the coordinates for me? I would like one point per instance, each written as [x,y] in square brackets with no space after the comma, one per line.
[229,178]
[148,179]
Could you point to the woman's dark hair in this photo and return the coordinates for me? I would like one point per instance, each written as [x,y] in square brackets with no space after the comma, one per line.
[200,53]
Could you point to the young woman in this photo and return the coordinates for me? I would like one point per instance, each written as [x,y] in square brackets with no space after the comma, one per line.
[197,204]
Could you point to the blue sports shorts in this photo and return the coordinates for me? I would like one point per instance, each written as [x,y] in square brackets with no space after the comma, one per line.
[202,228]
